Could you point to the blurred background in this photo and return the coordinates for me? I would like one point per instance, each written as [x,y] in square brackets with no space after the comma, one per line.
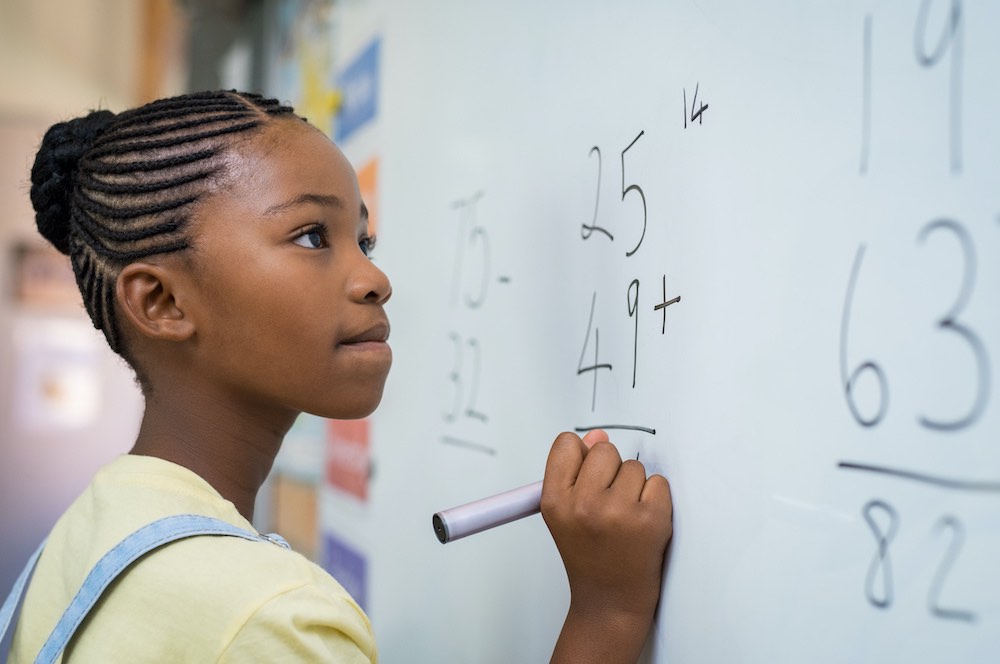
[67,404]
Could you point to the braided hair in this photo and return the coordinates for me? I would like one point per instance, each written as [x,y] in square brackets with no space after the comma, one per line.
[109,190]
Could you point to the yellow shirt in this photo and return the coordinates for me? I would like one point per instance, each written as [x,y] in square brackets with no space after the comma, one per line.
[201,599]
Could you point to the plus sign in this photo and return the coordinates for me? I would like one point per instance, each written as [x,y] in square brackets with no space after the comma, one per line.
[666,303]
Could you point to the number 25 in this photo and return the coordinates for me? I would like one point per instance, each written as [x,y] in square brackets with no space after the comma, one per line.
[587,230]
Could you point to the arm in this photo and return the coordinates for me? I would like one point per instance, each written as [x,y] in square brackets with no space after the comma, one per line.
[611,525]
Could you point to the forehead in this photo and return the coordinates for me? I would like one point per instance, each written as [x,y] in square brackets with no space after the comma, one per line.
[289,158]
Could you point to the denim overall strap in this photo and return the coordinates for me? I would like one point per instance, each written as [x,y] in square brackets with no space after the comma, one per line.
[13,601]
[126,552]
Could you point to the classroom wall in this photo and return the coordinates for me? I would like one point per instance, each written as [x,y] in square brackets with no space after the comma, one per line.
[67,404]
[61,59]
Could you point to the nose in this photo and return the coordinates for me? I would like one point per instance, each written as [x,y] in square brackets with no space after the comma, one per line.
[369,284]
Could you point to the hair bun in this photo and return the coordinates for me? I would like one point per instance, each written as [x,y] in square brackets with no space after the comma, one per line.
[54,172]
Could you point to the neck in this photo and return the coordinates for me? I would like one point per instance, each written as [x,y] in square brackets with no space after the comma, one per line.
[230,444]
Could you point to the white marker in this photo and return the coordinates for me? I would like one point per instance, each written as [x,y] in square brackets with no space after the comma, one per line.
[480,515]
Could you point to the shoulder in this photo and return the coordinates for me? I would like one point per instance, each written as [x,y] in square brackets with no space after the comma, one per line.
[277,603]
[191,597]
[238,599]
[303,624]
[249,570]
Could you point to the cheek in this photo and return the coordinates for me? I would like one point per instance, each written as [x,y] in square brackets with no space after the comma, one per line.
[256,296]
[274,317]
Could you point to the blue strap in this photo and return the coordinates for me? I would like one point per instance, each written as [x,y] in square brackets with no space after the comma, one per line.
[117,560]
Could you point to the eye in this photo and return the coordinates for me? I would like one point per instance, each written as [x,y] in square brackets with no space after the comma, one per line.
[367,244]
[313,237]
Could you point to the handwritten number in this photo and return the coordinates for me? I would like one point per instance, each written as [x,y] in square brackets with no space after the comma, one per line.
[587,230]
[456,378]
[881,565]
[466,236]
[580,369]
[881,594]
[470,409]
[951,36]
[950,41]
[633,311]
[947,35]
[480,233]
[950,323]
[636,188]
[951,523]
[850,381]
[695,114]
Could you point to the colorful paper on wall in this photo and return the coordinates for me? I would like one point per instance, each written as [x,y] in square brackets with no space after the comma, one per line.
[294,513]
[347,566]
[368,184]
[348,456]
[57,380]
[302,71]
[359,85]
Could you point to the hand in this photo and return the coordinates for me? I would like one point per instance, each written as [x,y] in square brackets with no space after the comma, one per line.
[611,525]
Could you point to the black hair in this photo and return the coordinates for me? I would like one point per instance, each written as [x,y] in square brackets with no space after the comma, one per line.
[110,189]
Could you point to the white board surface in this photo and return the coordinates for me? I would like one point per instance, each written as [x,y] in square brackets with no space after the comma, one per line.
[817,182]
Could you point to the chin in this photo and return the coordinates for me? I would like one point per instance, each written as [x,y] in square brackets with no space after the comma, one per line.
[354,406]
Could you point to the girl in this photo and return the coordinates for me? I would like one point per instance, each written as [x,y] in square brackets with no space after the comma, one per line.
[220,244]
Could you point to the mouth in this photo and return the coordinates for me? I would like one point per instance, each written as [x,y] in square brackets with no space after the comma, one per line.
[374,335]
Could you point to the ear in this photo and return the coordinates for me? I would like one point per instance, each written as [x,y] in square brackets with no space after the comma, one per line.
[149,299]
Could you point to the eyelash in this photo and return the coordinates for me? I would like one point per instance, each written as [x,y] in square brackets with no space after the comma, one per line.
[367,243]
[319,229]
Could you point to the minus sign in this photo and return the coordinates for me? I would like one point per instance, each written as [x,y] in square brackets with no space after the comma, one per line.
[504,280]
[469,445]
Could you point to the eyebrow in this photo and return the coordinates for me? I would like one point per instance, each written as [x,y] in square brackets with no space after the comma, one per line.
[323,200]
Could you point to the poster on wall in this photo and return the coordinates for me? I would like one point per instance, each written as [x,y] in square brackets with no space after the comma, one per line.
[359,85]
[294,513]
[348,457]
[348,566]
[302,69]
[368,185]
[57,375]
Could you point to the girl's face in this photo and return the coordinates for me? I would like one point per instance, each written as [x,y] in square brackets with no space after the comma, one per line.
[290,307]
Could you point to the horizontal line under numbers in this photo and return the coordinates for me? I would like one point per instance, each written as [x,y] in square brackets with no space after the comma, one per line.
[620,427]
[925,478]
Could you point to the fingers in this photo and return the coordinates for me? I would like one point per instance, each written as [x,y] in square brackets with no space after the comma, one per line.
[656,491]
[603,469]
[630,480]
[595,436]
[600,467]
[564,462]
[593,464]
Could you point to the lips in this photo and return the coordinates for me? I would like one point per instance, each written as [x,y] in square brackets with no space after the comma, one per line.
[379,333]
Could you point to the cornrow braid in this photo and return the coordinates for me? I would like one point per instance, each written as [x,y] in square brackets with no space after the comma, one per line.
[111,189]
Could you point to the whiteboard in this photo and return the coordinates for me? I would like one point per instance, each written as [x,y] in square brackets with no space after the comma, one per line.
[816,182]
